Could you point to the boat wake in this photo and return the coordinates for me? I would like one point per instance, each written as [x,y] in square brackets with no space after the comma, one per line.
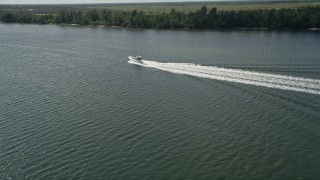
[284,82]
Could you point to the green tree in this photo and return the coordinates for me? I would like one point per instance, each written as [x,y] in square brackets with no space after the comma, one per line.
[8,17]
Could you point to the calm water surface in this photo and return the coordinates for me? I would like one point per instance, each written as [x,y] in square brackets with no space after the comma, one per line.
[72,107]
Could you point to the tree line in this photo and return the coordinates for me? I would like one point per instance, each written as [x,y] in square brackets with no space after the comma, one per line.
[299,18]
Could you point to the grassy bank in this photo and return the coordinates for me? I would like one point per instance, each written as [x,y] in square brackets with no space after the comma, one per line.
[193,7]
[154,8]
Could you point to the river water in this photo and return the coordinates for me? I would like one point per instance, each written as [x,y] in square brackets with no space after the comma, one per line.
[204,105]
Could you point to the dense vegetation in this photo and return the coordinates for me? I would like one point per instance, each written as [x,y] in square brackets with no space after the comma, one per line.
[299,18]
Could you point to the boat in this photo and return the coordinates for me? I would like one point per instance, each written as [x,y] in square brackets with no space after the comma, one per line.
[135,58]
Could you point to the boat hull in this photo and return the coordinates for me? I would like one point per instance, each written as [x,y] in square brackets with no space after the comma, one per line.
[132,58]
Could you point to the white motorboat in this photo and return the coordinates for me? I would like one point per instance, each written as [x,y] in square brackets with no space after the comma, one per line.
[135,58]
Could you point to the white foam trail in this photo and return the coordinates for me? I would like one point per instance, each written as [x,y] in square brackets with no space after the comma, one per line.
[239,76]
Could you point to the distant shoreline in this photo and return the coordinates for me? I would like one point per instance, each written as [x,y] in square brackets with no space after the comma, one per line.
[178,29]
[203,18]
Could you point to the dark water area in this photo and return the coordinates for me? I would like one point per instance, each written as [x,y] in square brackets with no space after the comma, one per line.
[72,107]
